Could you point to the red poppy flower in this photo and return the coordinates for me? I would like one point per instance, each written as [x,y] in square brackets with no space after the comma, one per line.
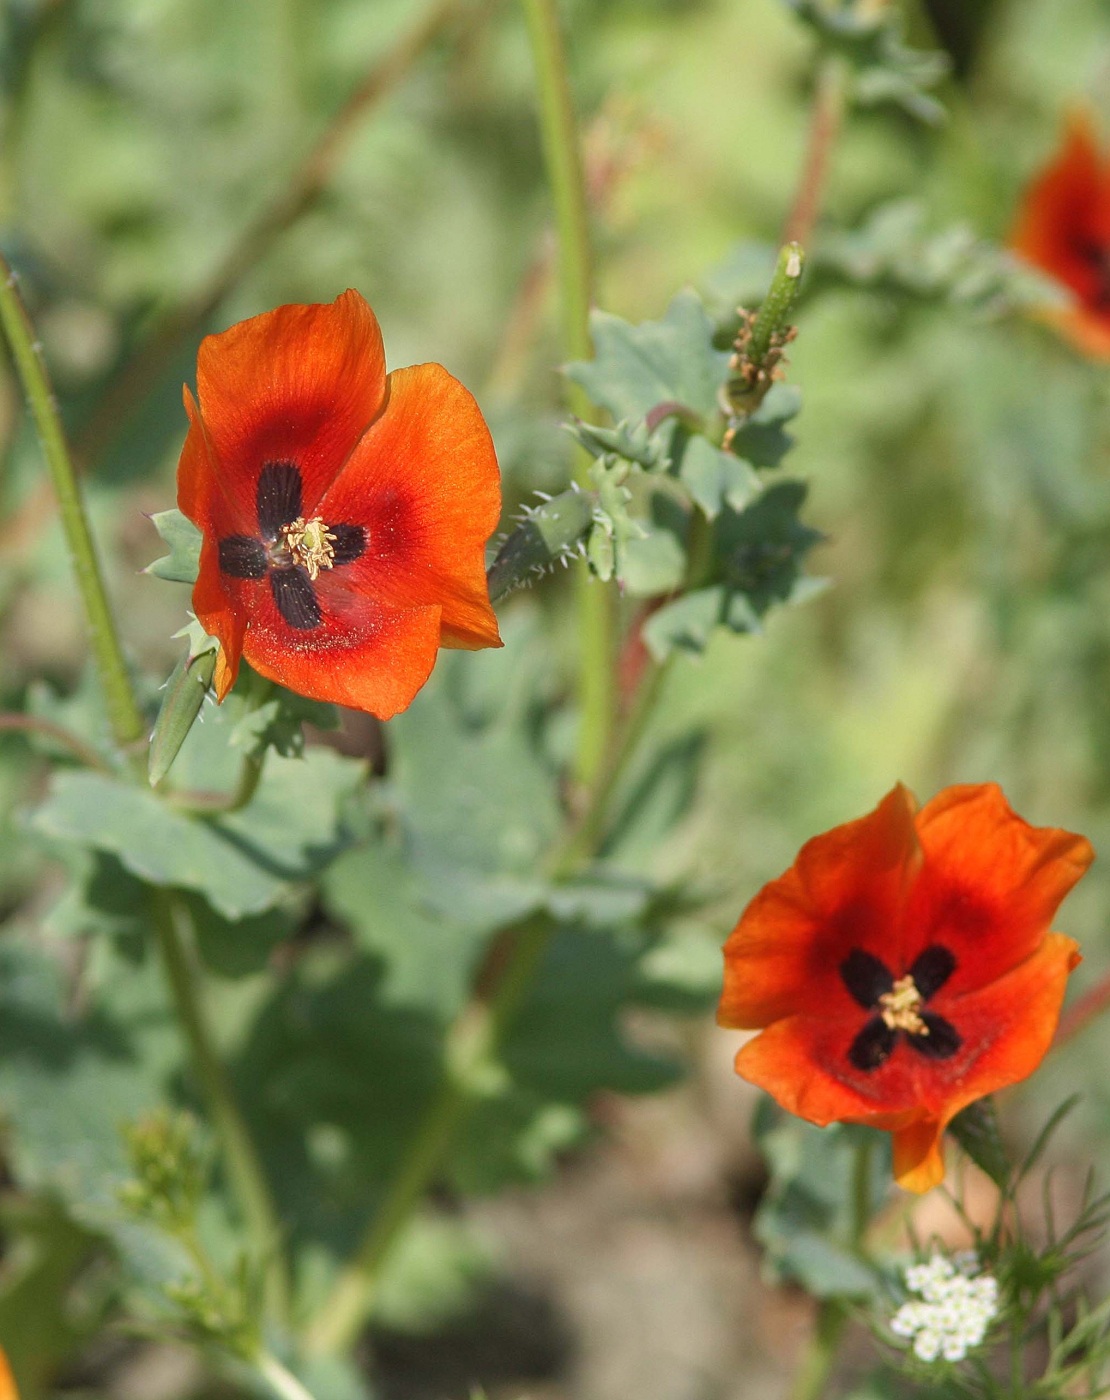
[904,967]
[1063,228]
[345,512]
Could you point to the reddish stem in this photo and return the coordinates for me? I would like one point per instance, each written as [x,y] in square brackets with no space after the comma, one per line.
[32,724]
[1094,1001]
[826,118]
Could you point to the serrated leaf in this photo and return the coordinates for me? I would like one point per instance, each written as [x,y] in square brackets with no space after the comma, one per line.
[278,723]
[688,622]
[69,1081]
[762,438]
[586,976]
[715,478]
[805,1220]
[638,367]
[182,564]
[427,960]
[762,548]
[476,796]
[652,564]
[240,947]
[885,69]
[242,863]
[155,843]
[896,251]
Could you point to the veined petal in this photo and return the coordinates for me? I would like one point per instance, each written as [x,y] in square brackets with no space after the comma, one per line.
[845,892]
[424,485]
[990,884]
[299,384]
[361,653]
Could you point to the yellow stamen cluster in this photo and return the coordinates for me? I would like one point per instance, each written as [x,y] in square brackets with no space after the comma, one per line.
[900,1007]
[311,544]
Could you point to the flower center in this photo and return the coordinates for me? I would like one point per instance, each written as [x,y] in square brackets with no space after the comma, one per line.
[900,1007]
[310,543]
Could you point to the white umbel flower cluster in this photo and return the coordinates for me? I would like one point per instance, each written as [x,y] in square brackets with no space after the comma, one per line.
[957,1306]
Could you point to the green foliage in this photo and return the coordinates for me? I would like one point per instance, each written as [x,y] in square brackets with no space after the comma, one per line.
[242,862]
[976,1130]
[185,692]
[547,534]
[884,68]
[349,927]
[635,369]
[808,1220]
[895,252]
[663,471]
[182,564]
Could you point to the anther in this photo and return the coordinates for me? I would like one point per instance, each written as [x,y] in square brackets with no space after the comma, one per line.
[900,1007]
[311,544]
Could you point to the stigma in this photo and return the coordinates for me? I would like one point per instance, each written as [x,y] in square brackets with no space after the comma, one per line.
[900,1007]
[310,544]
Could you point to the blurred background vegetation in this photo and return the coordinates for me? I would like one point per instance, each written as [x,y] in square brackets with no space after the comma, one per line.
[153,186]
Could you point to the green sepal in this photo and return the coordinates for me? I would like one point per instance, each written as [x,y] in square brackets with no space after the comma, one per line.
[184,695]
[975,1128]
[182,564]
[547,534]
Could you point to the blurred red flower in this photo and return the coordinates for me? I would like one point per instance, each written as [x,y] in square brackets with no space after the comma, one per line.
[1063,228]
[344,511]
[8,1389]
[903,967]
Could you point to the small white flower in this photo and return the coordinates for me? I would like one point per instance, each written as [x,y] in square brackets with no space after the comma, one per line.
[957,1306]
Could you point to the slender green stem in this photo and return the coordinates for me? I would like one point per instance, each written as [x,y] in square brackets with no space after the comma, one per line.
[813,1374]
[563,157]
[585,838]
[337,1324]
[830,100]
[280,1379]
[243,1165]
[473,1041]
[832,1316]
[127,721]
[32,724]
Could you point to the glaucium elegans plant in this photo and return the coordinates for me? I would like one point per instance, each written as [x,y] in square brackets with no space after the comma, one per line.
[440,954]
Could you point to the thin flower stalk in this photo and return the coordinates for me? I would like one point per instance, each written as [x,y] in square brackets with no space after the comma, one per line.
[563,156]
[126,718]
[129,728]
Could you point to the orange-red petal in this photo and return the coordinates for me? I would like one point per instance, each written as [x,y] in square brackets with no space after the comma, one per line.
[201,496]
[368,657]
[8,1389]
[846,890]
[299,384]
[1005,1029]
[424,484]
[990,883]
